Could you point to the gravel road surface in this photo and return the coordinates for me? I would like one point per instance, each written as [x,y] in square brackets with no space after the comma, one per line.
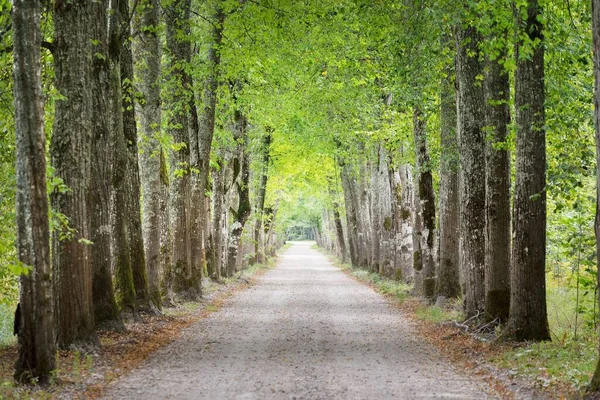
[305,331]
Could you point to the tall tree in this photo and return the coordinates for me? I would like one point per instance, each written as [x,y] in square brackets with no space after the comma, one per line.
[179,273]
[147,49]
[427,206]
[595,383]
[265,153]
[106,311]
[528,315]
[497,195]
[470,109]
[242,186]
[206,127]
[448,282]
[125,290]
[132,178]
[70,152]
[35,328]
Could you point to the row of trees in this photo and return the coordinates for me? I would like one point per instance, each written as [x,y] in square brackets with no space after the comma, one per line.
[391,206]
[347,116]
[130,226]
[476,90]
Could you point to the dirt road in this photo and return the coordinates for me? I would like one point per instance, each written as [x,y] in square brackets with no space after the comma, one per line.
[304,331]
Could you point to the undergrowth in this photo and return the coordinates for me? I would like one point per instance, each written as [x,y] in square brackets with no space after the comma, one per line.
[6,325]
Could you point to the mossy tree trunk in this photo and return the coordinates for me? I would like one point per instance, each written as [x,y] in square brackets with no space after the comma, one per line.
[147,50]
[144,301]
[106,311]
[178,275]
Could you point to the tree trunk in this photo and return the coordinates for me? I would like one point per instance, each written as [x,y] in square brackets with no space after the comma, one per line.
[132,186]
[197,196]
[106,311]
[35,328]
[218,211]
[242,184]
[351,218]
[417,245]
[595,383]
[448,282]
[71,154]
[339,230]
[179,279]
[427,199]
[497,202]
[376,220]
[125,290]
[259,256]
[147,48]
[206,126]
[472,169]
[408,209]
[528,316]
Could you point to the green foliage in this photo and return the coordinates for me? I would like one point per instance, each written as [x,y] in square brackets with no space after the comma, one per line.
[7,313]
[438,314]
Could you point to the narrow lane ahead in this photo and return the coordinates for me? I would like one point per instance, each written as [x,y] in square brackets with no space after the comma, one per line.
[304,331]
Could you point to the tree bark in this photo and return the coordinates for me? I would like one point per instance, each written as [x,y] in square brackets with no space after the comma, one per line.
[35,328]
[132,185]
[470,113]
[217,223]
[408,209]
[339,230]
[351,218]
[71,154]
[206,126]
[242,184]
[259,256]
[497,202]
[528,315]
[427,206]
[448,282]
[106,311]
[595,383]
[147,48]
[179,280]
[125,290]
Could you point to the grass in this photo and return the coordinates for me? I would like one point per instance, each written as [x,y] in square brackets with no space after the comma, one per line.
[438,314]
[570,358]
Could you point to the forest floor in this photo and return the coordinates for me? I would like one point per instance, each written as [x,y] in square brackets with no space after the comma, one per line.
[305,331]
